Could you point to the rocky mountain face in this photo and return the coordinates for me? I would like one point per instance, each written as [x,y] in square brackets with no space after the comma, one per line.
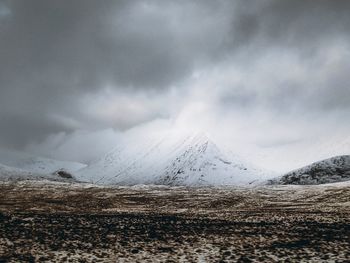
[336,169]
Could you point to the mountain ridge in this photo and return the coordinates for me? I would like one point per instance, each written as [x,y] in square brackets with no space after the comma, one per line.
[330,170]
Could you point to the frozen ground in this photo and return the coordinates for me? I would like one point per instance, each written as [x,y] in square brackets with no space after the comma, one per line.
[60,222]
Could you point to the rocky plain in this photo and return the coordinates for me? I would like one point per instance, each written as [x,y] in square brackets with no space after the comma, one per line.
[42,221]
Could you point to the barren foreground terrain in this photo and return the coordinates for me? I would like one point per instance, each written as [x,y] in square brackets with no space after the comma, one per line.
[62,222]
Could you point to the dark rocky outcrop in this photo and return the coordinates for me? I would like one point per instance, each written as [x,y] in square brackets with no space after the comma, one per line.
[336,169]
[63,174]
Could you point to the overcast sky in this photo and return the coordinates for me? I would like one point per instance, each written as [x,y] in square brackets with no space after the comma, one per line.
[74,74]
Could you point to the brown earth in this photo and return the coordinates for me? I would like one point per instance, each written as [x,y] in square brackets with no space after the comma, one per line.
[62,222]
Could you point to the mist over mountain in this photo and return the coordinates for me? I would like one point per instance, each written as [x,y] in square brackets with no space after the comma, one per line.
[36,164]
[174,131]
[268,79]
[175,159]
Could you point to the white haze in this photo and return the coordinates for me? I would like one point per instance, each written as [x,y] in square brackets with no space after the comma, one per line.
[249,107]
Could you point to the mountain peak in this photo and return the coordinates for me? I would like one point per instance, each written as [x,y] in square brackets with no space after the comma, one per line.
[176,159]
[201,135]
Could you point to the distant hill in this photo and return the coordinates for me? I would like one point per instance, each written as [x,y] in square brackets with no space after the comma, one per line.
[35,164]
[11,174]
[336,169]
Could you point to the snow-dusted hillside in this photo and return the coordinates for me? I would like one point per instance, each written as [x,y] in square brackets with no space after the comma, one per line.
[8,173]
[176,159]
[36,164]
[336,169]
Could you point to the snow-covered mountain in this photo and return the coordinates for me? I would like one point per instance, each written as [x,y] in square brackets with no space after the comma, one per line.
[299,153]
[36,164]
[336,169]
[8,173]
[176,159]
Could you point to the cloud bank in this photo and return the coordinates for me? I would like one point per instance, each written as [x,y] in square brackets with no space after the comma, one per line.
[262,73]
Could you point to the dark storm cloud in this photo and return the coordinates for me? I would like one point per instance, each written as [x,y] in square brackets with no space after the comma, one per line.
[294,24]
[307,30]
[52,53]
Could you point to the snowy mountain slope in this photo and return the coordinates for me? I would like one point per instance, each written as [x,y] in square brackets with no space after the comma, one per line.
[176,159]
[336,169]
[289,156]
[36,164]
[8,173]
